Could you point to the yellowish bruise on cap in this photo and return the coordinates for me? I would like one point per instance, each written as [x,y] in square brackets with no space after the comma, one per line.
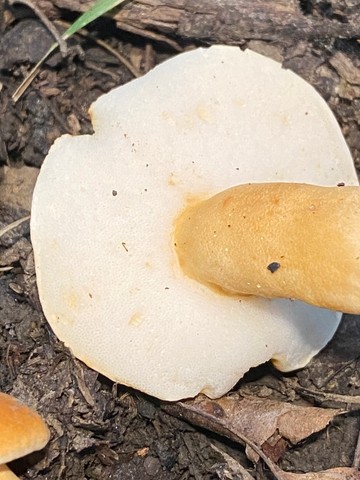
[276,240]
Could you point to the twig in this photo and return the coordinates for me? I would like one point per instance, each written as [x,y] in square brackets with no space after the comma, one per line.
[13,225]
[28,80]
[324,396]
[6,269]
[153,36]
[336,372]
[107,47]
[118,55]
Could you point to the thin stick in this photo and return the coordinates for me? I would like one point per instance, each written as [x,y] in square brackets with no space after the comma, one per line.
[13,225]
[326,396]
[6,269]
[28,80]
[107,47]
[152,35]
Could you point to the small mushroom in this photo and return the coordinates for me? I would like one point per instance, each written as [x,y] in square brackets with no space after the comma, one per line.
[107,208]
[22,431]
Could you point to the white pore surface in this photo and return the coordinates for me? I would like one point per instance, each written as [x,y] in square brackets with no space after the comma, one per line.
[104,207]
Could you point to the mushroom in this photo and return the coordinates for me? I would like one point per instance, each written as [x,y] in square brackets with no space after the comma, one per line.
[108,211]
[22,431]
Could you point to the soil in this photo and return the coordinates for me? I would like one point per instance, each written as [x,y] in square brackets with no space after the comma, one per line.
[100,429]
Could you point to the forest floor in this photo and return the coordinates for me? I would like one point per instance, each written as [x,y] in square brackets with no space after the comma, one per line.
[100,429]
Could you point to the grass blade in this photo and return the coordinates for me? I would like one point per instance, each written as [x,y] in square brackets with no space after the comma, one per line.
[99,8]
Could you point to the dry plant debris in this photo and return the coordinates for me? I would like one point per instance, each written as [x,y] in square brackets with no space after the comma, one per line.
[270,424]
[89,442]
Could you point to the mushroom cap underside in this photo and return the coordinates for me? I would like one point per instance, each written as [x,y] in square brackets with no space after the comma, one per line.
[104,209]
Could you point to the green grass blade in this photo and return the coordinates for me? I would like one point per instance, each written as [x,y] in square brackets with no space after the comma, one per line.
[99,8]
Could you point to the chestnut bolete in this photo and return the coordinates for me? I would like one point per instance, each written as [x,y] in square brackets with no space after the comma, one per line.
[106,206]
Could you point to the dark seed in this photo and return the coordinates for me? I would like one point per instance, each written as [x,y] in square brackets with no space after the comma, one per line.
[273,266]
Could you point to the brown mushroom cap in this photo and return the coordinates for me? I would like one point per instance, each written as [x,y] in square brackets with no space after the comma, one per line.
[22,430]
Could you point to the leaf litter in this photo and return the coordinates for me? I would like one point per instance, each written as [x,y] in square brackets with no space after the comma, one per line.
[267,427]
[272,425]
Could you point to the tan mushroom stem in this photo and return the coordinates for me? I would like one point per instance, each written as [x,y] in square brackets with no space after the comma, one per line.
[7,474]
[276,240]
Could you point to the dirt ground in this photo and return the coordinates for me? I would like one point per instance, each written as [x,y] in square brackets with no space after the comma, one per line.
[99,429]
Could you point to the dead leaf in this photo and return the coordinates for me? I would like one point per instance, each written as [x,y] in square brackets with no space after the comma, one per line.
[270,424]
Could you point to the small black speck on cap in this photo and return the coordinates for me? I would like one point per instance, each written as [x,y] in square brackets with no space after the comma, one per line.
[273,266]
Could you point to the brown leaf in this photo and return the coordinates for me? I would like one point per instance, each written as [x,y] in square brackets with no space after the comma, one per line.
[270,424]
